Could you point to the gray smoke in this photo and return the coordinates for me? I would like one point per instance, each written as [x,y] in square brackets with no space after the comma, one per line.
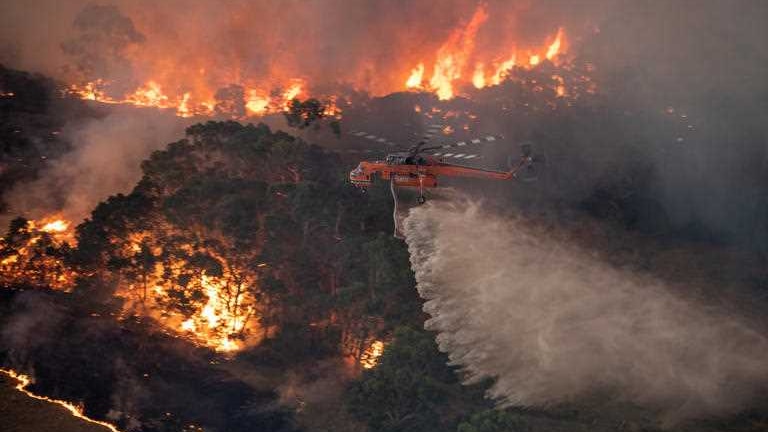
[552,323]
[101,41]
[36,320]
[105,160]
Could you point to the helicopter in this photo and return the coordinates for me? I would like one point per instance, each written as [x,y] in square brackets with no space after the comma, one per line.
[421,165]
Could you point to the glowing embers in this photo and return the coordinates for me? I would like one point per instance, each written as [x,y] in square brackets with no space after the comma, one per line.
[33,254]
[370,357]
[75,409]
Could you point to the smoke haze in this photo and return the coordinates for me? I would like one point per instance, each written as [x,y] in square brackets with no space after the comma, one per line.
[552,323]
[106,160]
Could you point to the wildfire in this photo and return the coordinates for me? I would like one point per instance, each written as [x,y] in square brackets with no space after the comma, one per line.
[29,255]
[453,56]
[256,101]
[214,315]
[478,78]
[370,357]
[417,75]
[165,75]
[454,61]
[151,94]
[55,226]
[217,311]
[76,410]
[554,49]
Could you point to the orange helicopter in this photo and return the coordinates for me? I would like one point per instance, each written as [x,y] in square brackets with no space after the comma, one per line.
[417,168]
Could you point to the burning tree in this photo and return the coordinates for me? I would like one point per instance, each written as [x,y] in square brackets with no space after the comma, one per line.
[35,255]
[237,234]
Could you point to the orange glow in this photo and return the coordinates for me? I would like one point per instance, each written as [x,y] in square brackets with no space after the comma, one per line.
[191,85]
[151,94]
[189,104]
[416,77]
[90,91]
[502,70]
[332,109]
[294,90]
[478,78]
[560,86]
[457,60]
[453,56]
[27,260]
[23,381]
[554,48]
[257,103]
[55,226]
[370,357]
[220,312]
[184,110]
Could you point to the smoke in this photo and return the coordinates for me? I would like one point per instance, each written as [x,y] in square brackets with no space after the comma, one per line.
[35,321]
[105,160]
[102,40]
[552,323]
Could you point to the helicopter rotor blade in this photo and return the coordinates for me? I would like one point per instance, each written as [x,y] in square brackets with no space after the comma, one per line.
[462,156]
[483,140]
[431,131]
[374,138]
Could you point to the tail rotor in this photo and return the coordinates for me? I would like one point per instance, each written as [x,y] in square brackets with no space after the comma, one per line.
[530,164]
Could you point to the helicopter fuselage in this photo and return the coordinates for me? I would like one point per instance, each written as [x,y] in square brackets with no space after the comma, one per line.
[417,171]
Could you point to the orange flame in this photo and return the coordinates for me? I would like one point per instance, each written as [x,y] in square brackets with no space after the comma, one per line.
[370,357]
[220,315]
[478,78]
[454,60]
[257,103]
[503,69]
[29,263]
[452,57]
[416,77]
[190,85]
[554,48]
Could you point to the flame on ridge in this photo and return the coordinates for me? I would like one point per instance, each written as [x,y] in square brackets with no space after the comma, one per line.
[456,62]
[191,83]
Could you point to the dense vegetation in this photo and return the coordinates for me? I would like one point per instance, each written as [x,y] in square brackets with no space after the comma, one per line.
[230,200]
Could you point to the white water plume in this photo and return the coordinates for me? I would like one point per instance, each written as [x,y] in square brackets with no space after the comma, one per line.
[552,323]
